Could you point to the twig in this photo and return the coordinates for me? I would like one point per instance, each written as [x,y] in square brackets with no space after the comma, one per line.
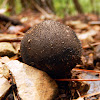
[20,33]
[17,39]
[84,96]
[14,95]
[41,9]
[84,70]
[94,23]
[77,79]
[14,57]
[8,19]
[89,46]
[91,94]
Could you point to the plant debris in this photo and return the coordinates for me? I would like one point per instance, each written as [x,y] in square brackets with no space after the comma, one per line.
[87,28]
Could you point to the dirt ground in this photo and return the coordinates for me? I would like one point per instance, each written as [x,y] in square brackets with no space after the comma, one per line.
[87,28]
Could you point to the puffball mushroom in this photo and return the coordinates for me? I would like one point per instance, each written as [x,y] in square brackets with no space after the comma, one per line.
[52,47]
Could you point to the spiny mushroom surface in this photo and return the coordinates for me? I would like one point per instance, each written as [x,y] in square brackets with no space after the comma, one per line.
[51,47]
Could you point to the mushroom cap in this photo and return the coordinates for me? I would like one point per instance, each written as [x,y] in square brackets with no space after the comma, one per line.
[52,45]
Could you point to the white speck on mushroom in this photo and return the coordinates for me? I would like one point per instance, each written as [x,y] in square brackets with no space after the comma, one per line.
[51,44]
[67,31]
[29,48]
[63,42]
[29,40]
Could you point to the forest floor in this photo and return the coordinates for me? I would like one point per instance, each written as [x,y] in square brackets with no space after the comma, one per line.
[87,28]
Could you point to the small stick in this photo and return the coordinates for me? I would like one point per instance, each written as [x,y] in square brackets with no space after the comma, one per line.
[17,39]
[20,33]
[94,23]
[88,95]
[77,79]
[14,57]
[14,95]
[8,19]
[89,46]
[84,70]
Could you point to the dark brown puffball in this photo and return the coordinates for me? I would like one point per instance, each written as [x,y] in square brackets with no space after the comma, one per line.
[51,47]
